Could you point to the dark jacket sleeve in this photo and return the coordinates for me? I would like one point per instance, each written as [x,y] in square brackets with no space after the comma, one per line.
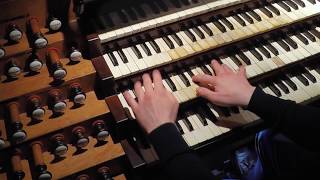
[178,160]
[300,123]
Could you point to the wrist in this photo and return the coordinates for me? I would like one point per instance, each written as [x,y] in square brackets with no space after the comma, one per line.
[247,95]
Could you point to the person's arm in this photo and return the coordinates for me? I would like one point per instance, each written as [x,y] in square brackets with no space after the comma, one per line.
[227,88]
[177,159]
[300,123]
[156,111]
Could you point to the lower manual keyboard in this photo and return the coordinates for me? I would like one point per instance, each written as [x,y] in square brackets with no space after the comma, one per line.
[202,125]
[299,85]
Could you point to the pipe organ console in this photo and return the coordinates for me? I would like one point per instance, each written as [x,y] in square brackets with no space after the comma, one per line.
[63,72]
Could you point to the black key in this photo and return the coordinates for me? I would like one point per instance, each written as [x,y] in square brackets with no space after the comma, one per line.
[308,75]
[315,33]
[290,83]
[153,7]
[284,45]
[190,35]
[106,20]
[292,4]
[317,69]
[113,59]
[225,111]
[244,58]
[170,84]
[155,46]
[179,128]
[202,120]
[123,16]
[168,42]
[274,89]
[190,73]
[122,56]
[131,14]
[205,69]
[284,6]
[300,3]
[226,22]
[234,109]
[184,79]
[140,11]
[188,124]
[266,12]
[235,60]
[136,51]
[256,54]
[302,79]
[282,86]
[218,25]
[204,26]
[145,49]
[309,36]
[291,42]
[273,9]
[247,17]
[198,32]
[162,5]
[239,20]
[272,49]
[185,2]
[255,15]
[177,39]
[176,3]
[264,51]
[302,39]
[312,1]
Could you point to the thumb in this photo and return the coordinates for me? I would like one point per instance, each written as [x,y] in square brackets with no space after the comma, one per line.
[205,93]
[211,96]
[242,71]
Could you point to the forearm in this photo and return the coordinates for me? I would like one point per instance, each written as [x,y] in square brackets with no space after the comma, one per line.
[300,123]
[178,160]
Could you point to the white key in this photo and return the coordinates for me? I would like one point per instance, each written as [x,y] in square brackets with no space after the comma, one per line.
[197,131]
[187,136]
[122,66]
[204,129]
[214,112]
[139,62]
[186,46]
[125,104]
[131,63]
[216,32]
[147,59]
[270,63]
[114,69]
[158,59]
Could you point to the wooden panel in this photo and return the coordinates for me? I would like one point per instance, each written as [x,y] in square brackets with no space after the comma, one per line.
[12,49]
[19,10]
[102,68]
[120,177]
[74,163]
[25,168]
[116,109]
[42,81]
[21,51]
[70,117]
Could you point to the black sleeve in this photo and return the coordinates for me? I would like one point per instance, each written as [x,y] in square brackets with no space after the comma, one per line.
[178,160]
[300,123]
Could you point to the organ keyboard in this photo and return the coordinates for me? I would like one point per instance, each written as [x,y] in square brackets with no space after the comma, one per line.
[273,40]
[59,109]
